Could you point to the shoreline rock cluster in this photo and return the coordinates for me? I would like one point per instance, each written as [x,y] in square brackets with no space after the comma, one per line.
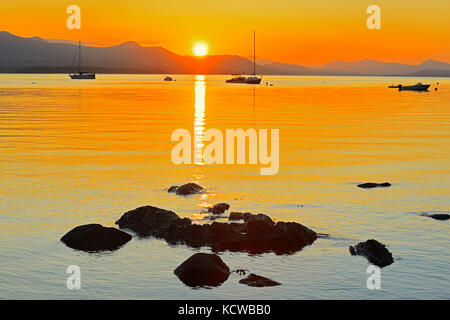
[258,233]
[243,232]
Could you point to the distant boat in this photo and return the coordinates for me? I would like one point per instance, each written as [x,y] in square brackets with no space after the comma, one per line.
[254,79]
[167,78]
[81,75]
[417,87]
[237,78]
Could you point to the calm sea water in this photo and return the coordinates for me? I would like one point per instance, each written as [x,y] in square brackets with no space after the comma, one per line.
[78,152]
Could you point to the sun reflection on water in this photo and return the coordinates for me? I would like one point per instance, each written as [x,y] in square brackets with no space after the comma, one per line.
[199,119]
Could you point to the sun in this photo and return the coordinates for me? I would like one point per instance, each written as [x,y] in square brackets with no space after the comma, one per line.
[200,49]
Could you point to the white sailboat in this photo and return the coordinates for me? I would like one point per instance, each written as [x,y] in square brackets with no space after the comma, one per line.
[81,75]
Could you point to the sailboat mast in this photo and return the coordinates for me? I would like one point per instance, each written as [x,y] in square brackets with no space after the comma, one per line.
[79,56]
[254,52]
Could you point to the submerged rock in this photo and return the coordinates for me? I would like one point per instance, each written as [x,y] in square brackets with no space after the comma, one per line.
[370,185]
[95,237]
[374,251]
[186,189]
[258,234]
[254,280]
[439,216]
[219,208]
[203,269]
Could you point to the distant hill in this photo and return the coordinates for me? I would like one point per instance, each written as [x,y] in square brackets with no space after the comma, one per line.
[37,55]
[378,68]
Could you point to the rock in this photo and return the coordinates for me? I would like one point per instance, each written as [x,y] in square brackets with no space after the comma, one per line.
[187,189]
[172,189]
[240,271]
[290,237]
[258,234]
[374,251]
[148,220]
[439,216]
[370,185]
[260,231]
[203,269]
[239,216]
[254,280]
[95,237]
[219,208]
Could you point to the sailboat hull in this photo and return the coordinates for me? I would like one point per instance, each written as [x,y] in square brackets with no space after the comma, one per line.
[85,76]
[253,81]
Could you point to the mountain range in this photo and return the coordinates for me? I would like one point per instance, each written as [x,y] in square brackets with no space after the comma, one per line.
[37,55]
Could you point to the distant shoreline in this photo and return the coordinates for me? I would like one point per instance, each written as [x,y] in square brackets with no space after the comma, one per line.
[141,72]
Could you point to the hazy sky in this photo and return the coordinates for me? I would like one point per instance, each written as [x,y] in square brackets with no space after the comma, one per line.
[294,31]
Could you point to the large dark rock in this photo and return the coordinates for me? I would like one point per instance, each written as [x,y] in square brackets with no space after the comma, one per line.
[148,220]
[370,185]
[282,237]
[254,280]
[374,251]
[186,189]
[258,234]
[219,208]
[95,237]
[203,269]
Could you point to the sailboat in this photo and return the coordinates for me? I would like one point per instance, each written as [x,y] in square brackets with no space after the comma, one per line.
[81,75]
[253,79]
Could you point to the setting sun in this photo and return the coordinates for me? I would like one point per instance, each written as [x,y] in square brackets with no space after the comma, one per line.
[200,49]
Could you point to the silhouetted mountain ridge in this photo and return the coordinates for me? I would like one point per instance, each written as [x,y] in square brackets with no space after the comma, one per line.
[35,54]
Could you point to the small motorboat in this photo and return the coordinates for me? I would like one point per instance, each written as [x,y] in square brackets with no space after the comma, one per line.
[237,78]
[417,87]
[167,78]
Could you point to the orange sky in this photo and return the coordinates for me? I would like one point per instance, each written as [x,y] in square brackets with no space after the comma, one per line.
[293,31]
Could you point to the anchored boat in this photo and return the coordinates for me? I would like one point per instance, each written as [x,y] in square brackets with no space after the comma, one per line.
[253,79]
[81,75]
[417,87]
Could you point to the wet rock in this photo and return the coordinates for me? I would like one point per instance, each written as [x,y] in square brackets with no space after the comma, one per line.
[219,208]
[258,234]
[203,269]
[187,189]
[148,220]
[95,237]
[172,189]
[374,251]
[370,185]
[240,271]
[234,216]
[439,216]
[254,280]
